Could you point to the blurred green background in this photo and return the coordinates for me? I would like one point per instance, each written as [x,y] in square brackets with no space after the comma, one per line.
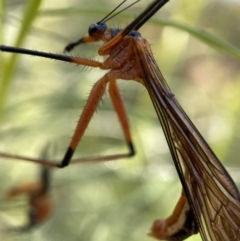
[195,43]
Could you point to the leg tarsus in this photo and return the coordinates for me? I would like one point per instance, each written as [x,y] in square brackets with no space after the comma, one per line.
[132,149]
[67,158]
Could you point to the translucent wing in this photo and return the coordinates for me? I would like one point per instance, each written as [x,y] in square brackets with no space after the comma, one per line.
[212,194]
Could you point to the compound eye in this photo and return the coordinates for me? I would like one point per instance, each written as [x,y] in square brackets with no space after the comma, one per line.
[92,29]
[97,29]
[134,34]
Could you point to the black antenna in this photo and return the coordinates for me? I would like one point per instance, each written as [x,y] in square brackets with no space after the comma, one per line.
[113,11]
[121,11]
[144,16]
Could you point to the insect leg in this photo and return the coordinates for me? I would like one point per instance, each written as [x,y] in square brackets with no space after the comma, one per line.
[122,116]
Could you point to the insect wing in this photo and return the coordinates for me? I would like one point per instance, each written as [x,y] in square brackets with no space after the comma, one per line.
[211,193]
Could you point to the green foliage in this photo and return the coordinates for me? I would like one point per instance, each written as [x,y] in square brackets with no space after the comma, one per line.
[40,101]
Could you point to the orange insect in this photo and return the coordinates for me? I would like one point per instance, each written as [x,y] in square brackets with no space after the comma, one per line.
[210,201]
[40,204]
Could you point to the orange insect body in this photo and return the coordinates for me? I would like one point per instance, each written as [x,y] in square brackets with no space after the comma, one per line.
[180,225]
[210,201]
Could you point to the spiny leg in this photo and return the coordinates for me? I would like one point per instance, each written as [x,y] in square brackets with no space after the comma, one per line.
[88,111]
[122,116]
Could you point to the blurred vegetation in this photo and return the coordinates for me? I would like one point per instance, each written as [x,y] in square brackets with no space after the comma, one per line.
[196,45]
